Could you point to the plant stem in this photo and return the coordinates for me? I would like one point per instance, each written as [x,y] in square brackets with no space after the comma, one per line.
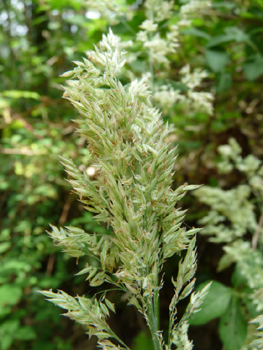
[153,313]
[156,308]
[153,324]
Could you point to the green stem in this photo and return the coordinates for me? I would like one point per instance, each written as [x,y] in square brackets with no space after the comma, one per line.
[156,308]
[153,313]
[153,325]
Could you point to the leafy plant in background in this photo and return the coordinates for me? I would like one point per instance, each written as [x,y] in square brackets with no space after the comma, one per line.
[23,247]
[132,194]
[153,46]
[236,219]
[33,192]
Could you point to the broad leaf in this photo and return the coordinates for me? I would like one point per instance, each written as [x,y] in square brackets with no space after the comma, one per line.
[216,60]
[197,32]
[231,34]
[233,326]
[215,303]
[7,330]
[253,69]
[25,333]
[9,294]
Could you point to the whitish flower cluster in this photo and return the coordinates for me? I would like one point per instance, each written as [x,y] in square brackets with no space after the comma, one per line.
[158,47]
[233,206]
[237,214]
[189,101]
[167,97]
[160,10]
[192,79]
[149,26]
[198,101]
[192,7]
[157,42]
[251,166]
[132,193]
[114,10]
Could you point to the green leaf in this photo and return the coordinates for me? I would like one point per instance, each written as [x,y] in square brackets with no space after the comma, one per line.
[224,5]
[7,331]
[233,326]
[4,246]
[216,60]
[231,34]
[14,265]
[9,294]
[197,32]
[253,69]
[237,278]
[214,305]
[21,94]
[237,34]
[224,81]
[6,341]
[219,39]
[25,333]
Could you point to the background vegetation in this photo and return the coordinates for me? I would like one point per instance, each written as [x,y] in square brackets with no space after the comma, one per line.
[38,41]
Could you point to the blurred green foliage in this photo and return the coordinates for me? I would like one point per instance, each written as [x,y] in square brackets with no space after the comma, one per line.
[38,41]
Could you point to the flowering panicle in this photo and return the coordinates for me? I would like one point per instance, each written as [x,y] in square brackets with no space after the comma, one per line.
[131,193]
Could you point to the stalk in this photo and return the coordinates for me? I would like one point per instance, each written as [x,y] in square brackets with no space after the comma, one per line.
[153,325]
[156,308]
